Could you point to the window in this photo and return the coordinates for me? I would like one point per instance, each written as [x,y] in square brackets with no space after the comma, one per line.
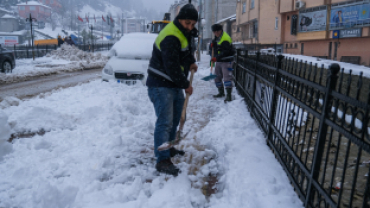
[276,23]
[252,4]
[286,45]
[244,7]
[255,29]
[22,8]
[291,45]
[32,8]
[41,9]
[293,26]
[295,45]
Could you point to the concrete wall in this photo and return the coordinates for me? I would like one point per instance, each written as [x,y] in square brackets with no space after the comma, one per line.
[267,33]
[313,3]
[286,6]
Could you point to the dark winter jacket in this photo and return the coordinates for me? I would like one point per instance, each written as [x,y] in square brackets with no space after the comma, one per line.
[172,61]
[223,51]
[60,42]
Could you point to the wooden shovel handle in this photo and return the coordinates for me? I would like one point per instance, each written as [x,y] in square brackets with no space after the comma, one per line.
[183,114]
[213,54]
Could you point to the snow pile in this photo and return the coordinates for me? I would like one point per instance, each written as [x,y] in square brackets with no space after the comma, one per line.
[98,152]
[5,147]
[73,54]
[65,59]
[134,45]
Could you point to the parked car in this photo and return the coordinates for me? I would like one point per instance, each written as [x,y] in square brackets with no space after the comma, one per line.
[7,60]
[268,51]
[129,59]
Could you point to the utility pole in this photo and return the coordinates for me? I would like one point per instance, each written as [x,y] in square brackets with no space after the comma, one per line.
[122,25]
[31,19]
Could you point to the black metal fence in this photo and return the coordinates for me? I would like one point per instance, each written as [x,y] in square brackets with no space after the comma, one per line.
[27,51]
[316,121]
[96,47]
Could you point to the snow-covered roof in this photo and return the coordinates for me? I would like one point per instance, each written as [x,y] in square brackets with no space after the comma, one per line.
[7,16]
[4,10]
[227,18]
[32,3]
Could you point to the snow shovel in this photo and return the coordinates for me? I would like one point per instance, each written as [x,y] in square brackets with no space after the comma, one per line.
[179,134]
[211,76]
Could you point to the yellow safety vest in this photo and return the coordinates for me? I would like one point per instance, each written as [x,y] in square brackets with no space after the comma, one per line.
[225,37]
[172,30]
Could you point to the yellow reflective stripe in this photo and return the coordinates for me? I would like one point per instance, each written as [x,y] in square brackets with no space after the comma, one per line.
[182,68]
[172,30]
[225,37]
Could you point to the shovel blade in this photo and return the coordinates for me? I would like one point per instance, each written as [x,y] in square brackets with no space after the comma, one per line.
[210,77]
[168,145]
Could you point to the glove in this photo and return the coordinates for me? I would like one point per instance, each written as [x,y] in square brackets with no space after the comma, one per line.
[211,45]
[214,59]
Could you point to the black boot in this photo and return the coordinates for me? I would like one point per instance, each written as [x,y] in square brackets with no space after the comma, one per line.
[228,96]
[221,92]
[166,166]
[174,152]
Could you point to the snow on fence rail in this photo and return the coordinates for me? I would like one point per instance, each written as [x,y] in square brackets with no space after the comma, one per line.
[316,121]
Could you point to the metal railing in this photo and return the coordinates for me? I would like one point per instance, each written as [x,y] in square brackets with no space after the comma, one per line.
[25,51]
[316,125]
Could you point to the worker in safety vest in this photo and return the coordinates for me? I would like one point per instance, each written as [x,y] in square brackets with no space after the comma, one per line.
[169,67]
[223,57]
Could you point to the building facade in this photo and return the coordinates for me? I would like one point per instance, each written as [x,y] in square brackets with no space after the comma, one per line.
[258,22]
[214,11]
[9,23]
[331,29]
[131,25]
[39,11]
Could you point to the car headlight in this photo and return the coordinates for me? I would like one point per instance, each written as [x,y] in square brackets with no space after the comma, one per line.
[108,70]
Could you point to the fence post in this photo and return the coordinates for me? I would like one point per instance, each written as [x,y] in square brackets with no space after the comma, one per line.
[258,54]
[274,100]
[245,73]
[236,65]
[15,54]
[331,82]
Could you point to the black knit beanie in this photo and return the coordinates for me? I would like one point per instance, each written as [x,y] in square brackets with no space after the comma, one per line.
[216,27]
[188,12]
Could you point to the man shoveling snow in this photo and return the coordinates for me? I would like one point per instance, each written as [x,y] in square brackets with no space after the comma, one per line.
[167,77]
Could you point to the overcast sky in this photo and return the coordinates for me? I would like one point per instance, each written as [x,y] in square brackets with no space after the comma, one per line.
[159,5]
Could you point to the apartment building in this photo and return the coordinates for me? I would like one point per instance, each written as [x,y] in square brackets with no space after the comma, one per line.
[332,29]
[258,21]
[36,9]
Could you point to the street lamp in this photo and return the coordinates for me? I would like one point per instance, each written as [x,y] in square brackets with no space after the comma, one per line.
[31,19]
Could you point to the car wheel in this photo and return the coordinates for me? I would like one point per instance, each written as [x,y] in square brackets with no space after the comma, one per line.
[7,67]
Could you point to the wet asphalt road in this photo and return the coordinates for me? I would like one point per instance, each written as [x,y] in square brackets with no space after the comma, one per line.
[39,85]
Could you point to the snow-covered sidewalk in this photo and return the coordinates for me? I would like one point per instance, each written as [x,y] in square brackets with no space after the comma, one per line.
[64,59]
[98,152]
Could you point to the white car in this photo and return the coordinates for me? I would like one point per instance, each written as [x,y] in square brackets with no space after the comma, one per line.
[268,51]
[129,59]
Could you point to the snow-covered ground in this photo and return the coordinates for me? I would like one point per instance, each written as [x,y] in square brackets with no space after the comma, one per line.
[64,59]
[98,152]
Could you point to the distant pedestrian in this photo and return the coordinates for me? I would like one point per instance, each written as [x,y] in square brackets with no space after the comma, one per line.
[60,41]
